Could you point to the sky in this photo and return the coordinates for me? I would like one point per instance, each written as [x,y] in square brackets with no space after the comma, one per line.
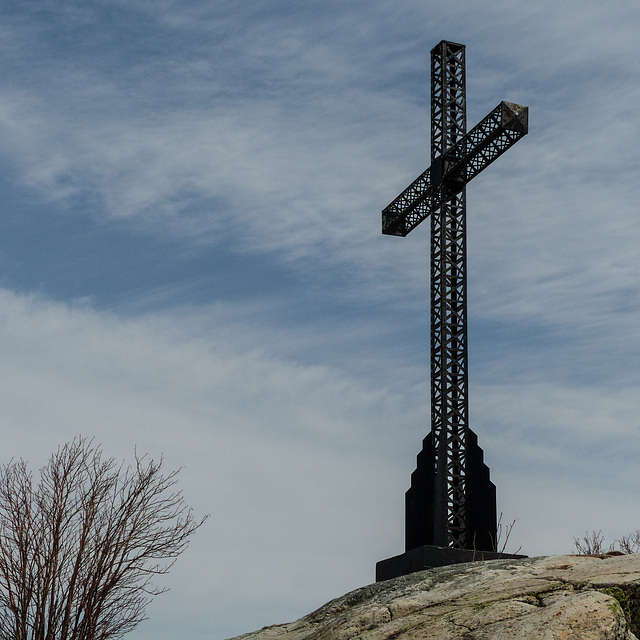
[191,264]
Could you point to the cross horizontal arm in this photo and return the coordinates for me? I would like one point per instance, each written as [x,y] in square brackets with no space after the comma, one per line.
[411,207]
[488,140]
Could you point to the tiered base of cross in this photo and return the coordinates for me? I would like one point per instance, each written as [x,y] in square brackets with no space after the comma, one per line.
[422,545]
[421,525]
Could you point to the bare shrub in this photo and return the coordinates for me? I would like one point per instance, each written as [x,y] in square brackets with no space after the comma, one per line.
[503,533]
[79,550]
[591,544]
[630,543]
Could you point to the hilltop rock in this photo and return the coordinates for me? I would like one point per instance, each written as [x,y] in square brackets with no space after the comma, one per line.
[555,597]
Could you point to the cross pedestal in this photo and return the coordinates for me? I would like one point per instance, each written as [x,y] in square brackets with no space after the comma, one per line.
[429,556]
[451,505]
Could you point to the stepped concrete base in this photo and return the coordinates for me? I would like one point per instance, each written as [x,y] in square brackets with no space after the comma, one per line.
[428,556]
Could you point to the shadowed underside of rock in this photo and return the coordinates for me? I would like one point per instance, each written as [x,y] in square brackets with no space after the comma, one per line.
[554,598]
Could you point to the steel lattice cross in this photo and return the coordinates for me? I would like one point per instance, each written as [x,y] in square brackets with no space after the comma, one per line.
[456,157]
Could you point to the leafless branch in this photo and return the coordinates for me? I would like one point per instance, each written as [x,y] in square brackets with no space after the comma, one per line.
[503,533]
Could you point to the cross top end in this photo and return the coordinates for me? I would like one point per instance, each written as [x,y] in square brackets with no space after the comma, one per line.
[452,46]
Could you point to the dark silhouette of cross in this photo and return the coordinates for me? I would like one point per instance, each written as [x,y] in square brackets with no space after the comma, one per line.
[451,502]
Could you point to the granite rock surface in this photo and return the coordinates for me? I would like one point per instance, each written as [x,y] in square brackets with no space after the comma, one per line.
[551,598]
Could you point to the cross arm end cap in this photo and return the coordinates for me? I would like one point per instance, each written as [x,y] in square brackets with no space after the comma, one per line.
[515,117]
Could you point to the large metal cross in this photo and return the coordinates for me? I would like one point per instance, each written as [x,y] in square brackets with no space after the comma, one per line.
[444,487]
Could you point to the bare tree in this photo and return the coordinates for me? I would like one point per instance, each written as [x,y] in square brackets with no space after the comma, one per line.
[79,550]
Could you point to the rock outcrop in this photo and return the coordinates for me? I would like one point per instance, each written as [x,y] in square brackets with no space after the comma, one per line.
[555,597]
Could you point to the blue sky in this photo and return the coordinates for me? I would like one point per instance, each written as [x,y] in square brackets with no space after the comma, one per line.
[191,263]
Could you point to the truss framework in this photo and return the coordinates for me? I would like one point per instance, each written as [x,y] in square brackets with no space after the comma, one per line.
[456,157]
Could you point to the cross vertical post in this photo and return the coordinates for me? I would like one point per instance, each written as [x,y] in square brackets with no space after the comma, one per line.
[449,379]
[451,503]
